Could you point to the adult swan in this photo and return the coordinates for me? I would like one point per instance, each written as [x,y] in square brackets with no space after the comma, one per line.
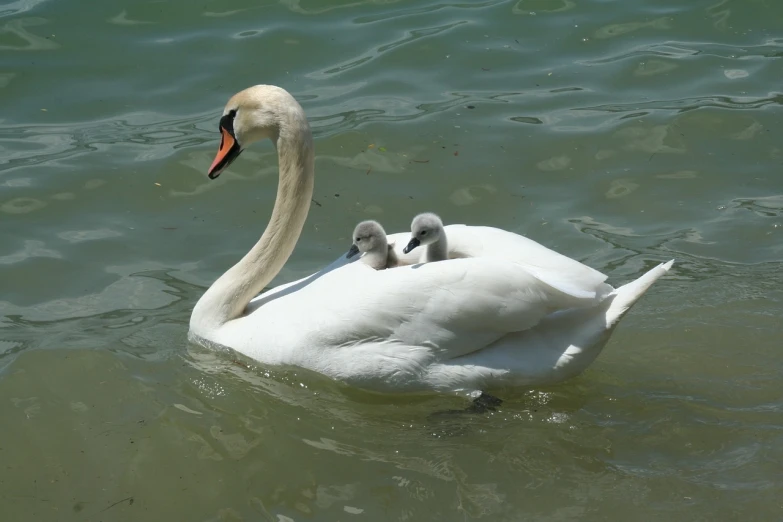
[508,311]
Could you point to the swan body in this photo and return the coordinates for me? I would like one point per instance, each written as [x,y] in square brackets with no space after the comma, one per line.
[369,239]
[427,230]
[506,311]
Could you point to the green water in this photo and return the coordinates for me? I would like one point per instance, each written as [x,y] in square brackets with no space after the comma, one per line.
[619,133]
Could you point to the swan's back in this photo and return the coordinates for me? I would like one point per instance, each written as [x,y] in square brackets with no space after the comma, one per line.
[557,270]
[453,307]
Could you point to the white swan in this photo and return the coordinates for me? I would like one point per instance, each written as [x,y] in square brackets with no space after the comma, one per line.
[427,230]
[369,239]
[511,313]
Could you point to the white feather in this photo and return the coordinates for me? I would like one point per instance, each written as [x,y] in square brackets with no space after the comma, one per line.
[503,310]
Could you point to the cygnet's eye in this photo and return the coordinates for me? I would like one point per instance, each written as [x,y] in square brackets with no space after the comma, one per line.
[423,233]
[358,239]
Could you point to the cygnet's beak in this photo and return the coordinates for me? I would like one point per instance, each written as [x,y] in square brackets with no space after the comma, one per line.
[352,252]
[229,151]
[413,243]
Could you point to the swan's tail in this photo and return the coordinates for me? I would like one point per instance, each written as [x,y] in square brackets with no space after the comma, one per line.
[627,295]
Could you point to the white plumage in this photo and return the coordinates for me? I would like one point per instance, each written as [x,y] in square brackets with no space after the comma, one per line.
[507,311]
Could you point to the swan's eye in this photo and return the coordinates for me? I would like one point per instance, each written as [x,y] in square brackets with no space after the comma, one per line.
[423,232]
[358,239]
[227,122]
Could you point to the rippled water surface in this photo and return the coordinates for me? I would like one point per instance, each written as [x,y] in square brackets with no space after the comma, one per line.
[619,133]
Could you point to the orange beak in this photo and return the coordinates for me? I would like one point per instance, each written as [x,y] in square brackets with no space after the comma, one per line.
[227,143]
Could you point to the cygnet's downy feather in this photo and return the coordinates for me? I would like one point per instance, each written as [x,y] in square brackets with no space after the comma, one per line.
[427,230]
[369,239]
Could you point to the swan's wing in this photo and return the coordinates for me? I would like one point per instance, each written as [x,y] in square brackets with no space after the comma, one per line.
[449,308]
[560,271]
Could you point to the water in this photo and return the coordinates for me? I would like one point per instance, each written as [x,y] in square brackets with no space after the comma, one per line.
[619,133]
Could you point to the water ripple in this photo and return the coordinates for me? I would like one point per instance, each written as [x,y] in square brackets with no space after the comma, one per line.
[689,104]
[614,30]
[24,40]
[122,19]
[296,6]
[394,109]
[404,13]
[152,300]
[633,252]
[412,36]
[769,206]
[155,136]
[531,7]
[159,137]
[771,48]
[19,6]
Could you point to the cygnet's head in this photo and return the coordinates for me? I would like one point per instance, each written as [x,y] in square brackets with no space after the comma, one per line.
[368,236]
[251,115]
[426,229]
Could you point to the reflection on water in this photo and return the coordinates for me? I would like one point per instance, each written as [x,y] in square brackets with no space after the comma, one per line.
[620,135]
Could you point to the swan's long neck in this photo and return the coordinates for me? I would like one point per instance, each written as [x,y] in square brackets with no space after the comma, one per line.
[227,298]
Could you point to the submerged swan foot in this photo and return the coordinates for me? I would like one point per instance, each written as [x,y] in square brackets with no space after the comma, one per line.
[481,404]
[484,403]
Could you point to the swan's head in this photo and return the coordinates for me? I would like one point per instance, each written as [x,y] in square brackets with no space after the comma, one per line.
[252,115]
[425,229]
[368,236]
